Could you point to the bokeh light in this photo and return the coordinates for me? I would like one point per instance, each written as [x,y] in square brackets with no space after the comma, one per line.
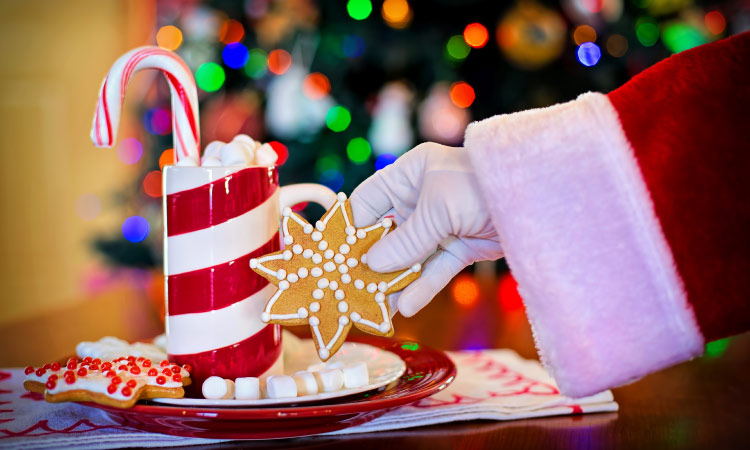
[129,150]
[476,35]
[169,38]
[316,85]
[717,348]
[353,46]
[88,206]
[396,13]
[678,37]
[358,150]
[328,162]
[152,184]
[279,61]
[465,290]
[257,63]
[210,77]
[456,48]
[386,159]
[647,31]
[588,54]
[333,179]
[235,55]
[617,45]
[231,31]
[462,94]
[166,158]
[359,9]
[507,293]
[281,152]
[135,229]
[584,33]
[338,118]
[157,121]
[715,22]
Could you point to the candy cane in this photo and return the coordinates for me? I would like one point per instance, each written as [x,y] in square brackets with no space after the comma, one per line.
[185,132]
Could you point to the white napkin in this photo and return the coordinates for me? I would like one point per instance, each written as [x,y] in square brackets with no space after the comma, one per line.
[491,384]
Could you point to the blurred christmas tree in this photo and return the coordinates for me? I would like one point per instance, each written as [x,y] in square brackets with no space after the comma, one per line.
[345,87]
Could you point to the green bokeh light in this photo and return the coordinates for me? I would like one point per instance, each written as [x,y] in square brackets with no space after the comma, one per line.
[359,9]
[457,48]
[210,76]
[257,64]
[717,348]
[358,150]
[328,162]
[646,31]
[338,118]
[678,37]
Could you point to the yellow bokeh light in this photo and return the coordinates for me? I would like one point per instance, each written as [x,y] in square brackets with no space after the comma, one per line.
[169,37]
[396,13]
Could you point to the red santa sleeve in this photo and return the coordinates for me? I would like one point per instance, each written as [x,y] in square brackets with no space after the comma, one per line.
[625,217]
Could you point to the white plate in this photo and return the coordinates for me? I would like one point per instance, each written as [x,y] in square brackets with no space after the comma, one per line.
[383,367]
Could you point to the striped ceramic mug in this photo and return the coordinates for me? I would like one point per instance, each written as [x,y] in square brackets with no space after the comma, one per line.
[215,220]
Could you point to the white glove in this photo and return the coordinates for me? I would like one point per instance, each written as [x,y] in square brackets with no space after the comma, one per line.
[433,190]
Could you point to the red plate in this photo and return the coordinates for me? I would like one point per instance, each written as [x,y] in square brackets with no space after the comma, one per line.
[427,372]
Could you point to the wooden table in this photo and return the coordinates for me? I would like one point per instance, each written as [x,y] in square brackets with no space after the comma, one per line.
[701,404]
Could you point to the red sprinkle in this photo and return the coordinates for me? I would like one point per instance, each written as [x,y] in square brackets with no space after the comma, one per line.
[72,363]
[146,363]
[112,388]
[131,383]
[87,360]
[106,366]
[72,360]
[140,358]
[164,363]
[51,384]
[153,372]
[131,358]
[97,361]
[69,373]
[160,379]
[166,371]
[53,377]
[126,391]
[132,363]
[177,377]
[176,369]
[48,366]
[29,370]
[135,370]
[55,365]
[71,379]
[110,374]
[188,367]
[116,380]
[93,367]
[122,367]
[40,371]
[82,372]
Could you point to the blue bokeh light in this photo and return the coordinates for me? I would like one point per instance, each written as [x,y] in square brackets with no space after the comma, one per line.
[235,55]
[384,160]
[157,121]
[135,228]
[332,179]
[588,54]
[353,46]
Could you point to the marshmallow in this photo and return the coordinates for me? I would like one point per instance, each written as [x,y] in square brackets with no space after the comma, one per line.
[215,388]
[212,149]
[334,365]
[329,380]
[245,139]
[281,386]
[265,156]
[306,383]
[247,388]
[211,161]
[235,154]
[316,367]
[356,375]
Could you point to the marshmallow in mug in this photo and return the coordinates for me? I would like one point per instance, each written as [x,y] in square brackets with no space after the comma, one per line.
[242,151]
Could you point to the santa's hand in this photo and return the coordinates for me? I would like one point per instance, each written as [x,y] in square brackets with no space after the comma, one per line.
[433,192]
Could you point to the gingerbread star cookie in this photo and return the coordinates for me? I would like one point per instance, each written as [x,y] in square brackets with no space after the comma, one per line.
[324,280]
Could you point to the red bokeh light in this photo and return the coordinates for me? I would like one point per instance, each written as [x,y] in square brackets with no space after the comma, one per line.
[152,183]
[507,293]
[476,35]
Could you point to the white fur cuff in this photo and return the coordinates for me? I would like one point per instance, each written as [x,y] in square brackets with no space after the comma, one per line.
[583,241]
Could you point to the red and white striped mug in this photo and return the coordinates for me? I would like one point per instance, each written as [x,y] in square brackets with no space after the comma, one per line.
[215,220]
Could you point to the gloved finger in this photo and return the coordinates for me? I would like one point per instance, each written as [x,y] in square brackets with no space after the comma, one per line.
[437,272]
[412,242]
[392,300]
[388,188]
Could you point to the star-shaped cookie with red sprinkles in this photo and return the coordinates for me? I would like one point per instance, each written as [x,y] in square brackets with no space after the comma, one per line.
[324,280]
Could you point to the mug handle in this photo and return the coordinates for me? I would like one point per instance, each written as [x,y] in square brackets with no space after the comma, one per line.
[306,192]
